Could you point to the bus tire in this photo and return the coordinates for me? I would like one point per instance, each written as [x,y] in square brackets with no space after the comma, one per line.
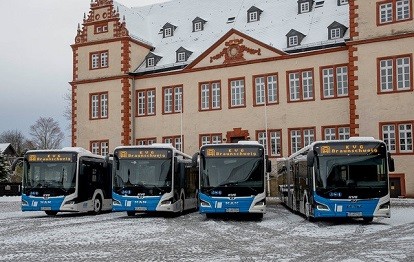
[368,220]
[97,205]
[131,213]
[258,216]
[182,205]
[51,213]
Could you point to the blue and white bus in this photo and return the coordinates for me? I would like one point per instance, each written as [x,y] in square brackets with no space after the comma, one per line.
[68,180]
[233,178]
[153,178]
[338,179]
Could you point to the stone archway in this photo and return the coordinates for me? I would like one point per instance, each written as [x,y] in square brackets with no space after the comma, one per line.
[236,135]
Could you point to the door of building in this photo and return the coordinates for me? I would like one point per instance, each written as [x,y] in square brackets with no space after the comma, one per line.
[395,187]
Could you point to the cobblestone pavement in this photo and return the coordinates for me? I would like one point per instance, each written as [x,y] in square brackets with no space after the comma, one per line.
[280,236]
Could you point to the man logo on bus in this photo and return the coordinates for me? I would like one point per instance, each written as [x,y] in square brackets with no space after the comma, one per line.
[326,149]
[211,152]
[123,154]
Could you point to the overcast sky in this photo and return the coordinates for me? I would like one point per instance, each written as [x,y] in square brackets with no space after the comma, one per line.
[36,59]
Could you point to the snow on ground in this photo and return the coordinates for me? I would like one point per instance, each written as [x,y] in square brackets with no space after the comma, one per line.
[280,236]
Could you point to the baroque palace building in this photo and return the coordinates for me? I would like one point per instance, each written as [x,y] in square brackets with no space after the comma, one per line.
[283,72]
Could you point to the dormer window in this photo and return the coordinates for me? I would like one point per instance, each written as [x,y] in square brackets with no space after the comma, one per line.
[342,2]
[294,38]
[152,59]
[198,24]
[183,54]
[150,62]
[253,14]
[336,31]
[168,30]
[101,28]
[231,20]
[304,6]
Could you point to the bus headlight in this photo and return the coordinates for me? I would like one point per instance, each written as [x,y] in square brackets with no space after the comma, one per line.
[385,206]
[70,202]
[167,202]
[204,203]
[24,203]
[322,207]
[116,202]
[260,203]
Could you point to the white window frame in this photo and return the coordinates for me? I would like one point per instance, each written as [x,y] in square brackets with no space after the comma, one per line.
[237,93]
[335,33]
[198,26]
[403,71]
[386,75]
[293,40]
[150,62]
[402,10]
[386,13]
[95,106]
[389,137]
[104,105]
[181,57]
[253,16]
[167,32]
[304,7]
[405,138]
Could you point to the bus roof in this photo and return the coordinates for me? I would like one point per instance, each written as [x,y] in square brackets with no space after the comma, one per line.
[81,151]
[155,145]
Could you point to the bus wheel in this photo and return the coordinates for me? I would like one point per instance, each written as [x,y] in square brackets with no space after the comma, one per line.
[97,205]
[130,213]
[368,219]
[257,216]
[51,213]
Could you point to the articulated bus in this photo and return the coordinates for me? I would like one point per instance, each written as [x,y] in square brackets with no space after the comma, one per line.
[68,180]
[151,178]
[233,178]
[338,179]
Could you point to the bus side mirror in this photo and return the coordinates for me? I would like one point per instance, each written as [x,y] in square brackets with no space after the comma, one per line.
[107,160]
[268,165]
[194,160]
[15,163]
[310,158]
[391,165]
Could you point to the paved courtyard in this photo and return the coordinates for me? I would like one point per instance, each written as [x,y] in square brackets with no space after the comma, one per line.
[280,236]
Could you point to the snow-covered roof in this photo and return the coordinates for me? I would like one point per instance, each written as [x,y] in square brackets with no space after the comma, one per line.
[5,146]
[276,20]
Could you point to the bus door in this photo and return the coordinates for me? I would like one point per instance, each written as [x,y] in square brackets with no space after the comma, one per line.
[297,186]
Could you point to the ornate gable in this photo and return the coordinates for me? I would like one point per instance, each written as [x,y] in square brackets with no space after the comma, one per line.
[101,14]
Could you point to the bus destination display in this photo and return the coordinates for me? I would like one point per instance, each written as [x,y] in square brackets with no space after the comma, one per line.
[232,152]
[144,153]
[349,149]
[50,157]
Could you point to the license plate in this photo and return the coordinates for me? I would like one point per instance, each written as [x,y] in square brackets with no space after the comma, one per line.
[140,209]
[45,208]
[232,210]
[354,214]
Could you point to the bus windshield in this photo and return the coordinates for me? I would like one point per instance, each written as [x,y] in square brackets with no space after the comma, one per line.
[232,172]
[147,173]
[57,175]
[344,176]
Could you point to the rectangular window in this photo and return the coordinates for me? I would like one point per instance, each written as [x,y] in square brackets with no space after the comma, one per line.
[293,40]
[173,99]
[392,11]
[395,74]
[237,93]
[167,32]
[253,17]
[265,88]
[300,137]
[145,141]
[335,33]
[98,60]
[334,81]
[342,2]
[304,7]
[98,108]
[210,139]
[100,147]
[398,137]
[210,96]
[336,132]
[175,141]
[101,28]
[150,62]
[181,57]
[273,145]
[300,85]
[145,102]
[198,27]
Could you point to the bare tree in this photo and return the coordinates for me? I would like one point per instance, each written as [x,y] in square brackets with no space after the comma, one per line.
[46,133]
[67,113]
[16,139]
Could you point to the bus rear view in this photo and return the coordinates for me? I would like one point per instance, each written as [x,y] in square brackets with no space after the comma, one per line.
[232,179]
